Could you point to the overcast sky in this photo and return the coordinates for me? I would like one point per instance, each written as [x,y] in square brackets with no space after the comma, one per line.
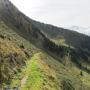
[65,13]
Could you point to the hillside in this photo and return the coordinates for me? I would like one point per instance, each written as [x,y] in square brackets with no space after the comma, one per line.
[36,56]
[72,38]
[13,52]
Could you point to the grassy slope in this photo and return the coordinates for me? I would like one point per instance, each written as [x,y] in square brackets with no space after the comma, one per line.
[71,37]
[12,55]
[44,73]
[38,75]
[9,34]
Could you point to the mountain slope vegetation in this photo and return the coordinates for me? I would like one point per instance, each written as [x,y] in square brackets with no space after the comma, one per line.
[37,56]
[72,38]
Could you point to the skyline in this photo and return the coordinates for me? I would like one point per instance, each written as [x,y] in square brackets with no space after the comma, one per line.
[61,13]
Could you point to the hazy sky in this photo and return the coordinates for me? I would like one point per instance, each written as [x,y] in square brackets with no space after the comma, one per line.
[64,13]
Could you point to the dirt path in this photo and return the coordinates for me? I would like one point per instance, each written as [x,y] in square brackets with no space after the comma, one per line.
[23,81]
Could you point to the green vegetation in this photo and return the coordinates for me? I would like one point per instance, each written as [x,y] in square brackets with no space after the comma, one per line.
[42,72]
[34,76]
[61,41]
[60,59]
[11,59]
[37,70]
[12,56]
[71,38]
[30,76]
[67,85]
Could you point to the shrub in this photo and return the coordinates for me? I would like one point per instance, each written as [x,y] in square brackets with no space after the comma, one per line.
[67,85]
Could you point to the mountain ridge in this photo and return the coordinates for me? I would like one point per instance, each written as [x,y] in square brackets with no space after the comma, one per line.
[84,30]
[47,44]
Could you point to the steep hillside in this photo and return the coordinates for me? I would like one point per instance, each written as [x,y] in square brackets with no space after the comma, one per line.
[70,37]
[14,52]
[43,72]
[41,57]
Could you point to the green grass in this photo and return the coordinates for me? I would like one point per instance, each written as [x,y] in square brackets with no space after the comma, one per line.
[61,42]
[10,42]
[32,74]
[42,72]
[36,75]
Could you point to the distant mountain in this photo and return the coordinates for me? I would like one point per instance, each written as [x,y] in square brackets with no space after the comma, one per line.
[81,29]
[38,56]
